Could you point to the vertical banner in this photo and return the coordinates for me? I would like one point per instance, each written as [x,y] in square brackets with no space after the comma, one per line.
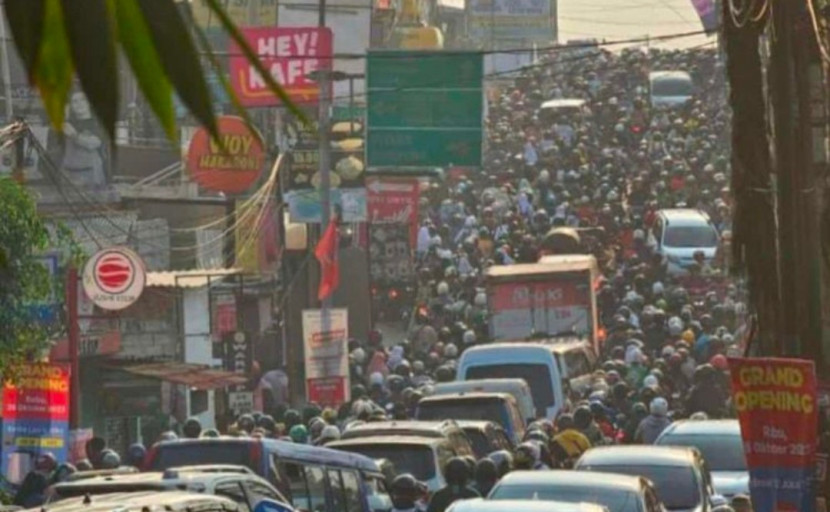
[394,201]
[35,417]
[708,14]
[777,407]
[326,356]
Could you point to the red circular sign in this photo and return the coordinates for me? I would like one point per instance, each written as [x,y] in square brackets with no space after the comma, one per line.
[114,278]
[233,163]
[114,273]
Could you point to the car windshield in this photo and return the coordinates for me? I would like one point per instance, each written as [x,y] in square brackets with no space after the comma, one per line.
[690,236]
[193,454]
[416,459]
[671,87]
[488,409]
[537,377]
[616,500]
[676,486]
[723,452]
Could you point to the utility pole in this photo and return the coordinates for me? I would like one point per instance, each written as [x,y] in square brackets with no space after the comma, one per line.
[325,147]
[73,337]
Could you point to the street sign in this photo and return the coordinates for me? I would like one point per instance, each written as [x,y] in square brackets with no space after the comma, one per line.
[424,109]
[114,278]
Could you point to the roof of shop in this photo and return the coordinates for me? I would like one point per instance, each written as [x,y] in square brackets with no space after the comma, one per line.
[196,278]
[191,375]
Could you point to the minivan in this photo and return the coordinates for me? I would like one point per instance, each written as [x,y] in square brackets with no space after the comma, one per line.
[518,388]
[678,233]
[550,369]
[310,477]
[500,408]
[670,88]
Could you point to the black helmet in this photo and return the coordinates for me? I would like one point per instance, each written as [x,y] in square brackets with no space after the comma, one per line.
[486,471]
[639,410]
[457,472]
[245,422]
[292,417]
[266,421]
[503,460]
[404,491]
[192,428]
[136,454]
[582,417]
[564,422]
[110,459]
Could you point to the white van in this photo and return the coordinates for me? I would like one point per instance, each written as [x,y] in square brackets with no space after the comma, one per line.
[518,388]
[546,367]
[670,88]
[678,233]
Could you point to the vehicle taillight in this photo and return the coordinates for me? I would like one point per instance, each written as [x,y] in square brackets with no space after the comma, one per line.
[393,294]
[255,453]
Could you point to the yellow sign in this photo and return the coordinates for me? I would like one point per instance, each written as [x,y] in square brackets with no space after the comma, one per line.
[43,442]
[244,13]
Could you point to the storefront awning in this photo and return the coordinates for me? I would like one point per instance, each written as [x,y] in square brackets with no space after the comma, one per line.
[197,278]
[191,375]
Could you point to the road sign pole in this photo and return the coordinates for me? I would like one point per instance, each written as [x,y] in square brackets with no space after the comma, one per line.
[73,335]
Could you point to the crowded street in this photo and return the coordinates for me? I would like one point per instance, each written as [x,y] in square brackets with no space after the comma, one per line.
[484,270]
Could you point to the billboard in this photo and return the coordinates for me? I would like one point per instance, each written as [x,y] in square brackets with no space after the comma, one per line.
[512,20]
[325,344]
[230,165]
[520,309]
[290,54]
[777,406]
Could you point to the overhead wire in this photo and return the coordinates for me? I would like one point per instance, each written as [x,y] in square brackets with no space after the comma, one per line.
[819,40]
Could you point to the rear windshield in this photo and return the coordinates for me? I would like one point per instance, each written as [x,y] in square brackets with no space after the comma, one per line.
[671,87]
[613,499]
[481,446]
[722,452]
[537,377]
[488,409]
[690,236]
[676,486]
[405,458]
[191,454]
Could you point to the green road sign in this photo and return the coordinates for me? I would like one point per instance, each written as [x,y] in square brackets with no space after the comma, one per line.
[424,109]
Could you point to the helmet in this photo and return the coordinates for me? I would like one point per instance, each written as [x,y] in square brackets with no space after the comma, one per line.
[651,382]
[699,416]
[638,410]
[266,421]
[503,460]
[135,455]
[583,417]
[719,362]
[450,351]
[486,471]
[469,337]
[168,436]
[46,462]
[443,288]
[84,465]
[329,433]
[298,434]
[527,455]
[291,418]
[564,422]
[316,426]
[245,422]
[456,472]
[210,433]
[110,459]
[659,407]
[63,471]
[192,428]
[404,491]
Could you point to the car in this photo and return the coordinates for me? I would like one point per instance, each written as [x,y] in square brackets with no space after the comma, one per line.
[486,437]
[235,482]
[516,387]
[722,447]
[480,505]
[670,88]
[678,233]
[500,408]
[545,366]
[679,474]
[447,429]
[145,501]
[423,457]
[617,493]
[303,474]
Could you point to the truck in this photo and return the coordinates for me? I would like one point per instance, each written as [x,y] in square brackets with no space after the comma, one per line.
[552,298]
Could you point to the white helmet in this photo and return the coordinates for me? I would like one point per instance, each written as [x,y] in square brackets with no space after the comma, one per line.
[650,382]
[329,433]
[376,379]
[469,337]
[659,406]
[544,176]
[481,299]
[450,351]
[675,326]
[443,288]
[359,355]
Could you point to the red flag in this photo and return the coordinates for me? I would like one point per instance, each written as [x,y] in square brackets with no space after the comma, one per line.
[326,252]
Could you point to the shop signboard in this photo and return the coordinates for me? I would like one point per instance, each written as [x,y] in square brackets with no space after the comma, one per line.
[325,341]
[290,54]
[776,401]
[114,278]
[512,20]
[520,309]
[421,116]
[230,165]
[35,417]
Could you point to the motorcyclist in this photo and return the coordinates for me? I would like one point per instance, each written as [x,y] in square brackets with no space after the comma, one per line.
[457,475]
[406,494]
[655,423]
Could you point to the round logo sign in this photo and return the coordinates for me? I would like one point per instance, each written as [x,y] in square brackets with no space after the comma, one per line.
[114,278]
[230,165]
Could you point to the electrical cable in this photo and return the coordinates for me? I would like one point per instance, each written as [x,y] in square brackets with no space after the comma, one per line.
[819,41]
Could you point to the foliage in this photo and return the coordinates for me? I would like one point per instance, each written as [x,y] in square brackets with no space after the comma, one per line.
[24,280]
[57,39]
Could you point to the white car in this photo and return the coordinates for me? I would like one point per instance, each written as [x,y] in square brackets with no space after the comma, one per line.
[677,234]
[670,88]
[480,505]
[722,447]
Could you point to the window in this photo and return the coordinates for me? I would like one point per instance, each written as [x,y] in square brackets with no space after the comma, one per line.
[577,364]
[691,236]
[295,476]
[537,376]
[258,491]
[351,486]
[316,480]
[233,491]
[652,503]
[417,459]
[461,443]
[338,499]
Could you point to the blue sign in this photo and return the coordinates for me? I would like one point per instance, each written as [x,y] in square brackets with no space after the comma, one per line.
[26,439]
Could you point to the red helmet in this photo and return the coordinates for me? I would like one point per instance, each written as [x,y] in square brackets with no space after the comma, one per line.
[719,362]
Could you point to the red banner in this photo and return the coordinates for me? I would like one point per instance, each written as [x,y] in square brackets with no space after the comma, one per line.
[394,201]
[777,407]
[40,392]
[329,391]
[290,54]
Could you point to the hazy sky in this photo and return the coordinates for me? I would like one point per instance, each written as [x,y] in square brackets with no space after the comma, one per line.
[625,19]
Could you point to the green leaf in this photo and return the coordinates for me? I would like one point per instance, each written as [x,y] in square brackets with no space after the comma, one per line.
[134,36]
[92,45]
[53,73]
[253,59]
[25,19]
[179,58]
